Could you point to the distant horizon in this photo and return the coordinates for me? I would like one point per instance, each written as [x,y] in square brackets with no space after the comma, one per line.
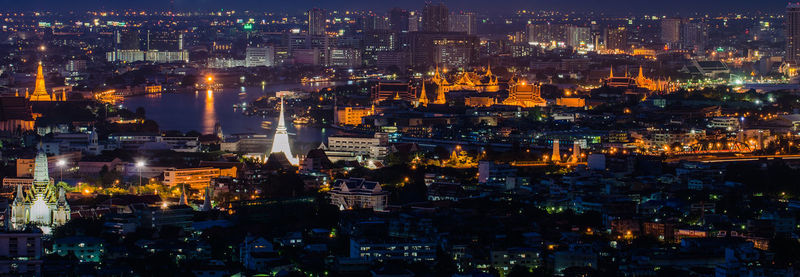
[612,7]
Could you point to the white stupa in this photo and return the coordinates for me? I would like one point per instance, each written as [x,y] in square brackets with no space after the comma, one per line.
[280,143]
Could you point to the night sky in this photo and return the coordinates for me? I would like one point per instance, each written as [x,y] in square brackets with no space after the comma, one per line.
[609,6]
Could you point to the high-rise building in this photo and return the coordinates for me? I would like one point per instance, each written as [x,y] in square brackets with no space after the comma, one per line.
[164,41]
[671,31]
[128,40]
[579,36]
[793,32]
[375,22]
[316,22]
[398,20]
[465,22]
[432,48]
[435,18]
[694,35]
[617,38]
[545,33]
[375,42]
[413,22]
[260,56]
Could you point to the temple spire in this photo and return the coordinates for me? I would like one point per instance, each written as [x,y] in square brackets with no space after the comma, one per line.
[280,142]
[19,198]
[183,200]
[39,90]
[423,97]
[440,97]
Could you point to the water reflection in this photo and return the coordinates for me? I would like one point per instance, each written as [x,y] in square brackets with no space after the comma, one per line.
[209,114]
[201,110]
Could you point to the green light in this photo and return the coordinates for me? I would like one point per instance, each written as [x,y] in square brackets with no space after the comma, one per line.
[248,26]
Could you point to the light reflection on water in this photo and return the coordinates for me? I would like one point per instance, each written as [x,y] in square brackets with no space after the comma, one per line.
[198,111]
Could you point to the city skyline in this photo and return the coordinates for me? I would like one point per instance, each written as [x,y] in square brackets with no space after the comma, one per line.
[617,7]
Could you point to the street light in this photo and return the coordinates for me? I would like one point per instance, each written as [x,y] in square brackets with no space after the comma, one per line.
[61,164]
[139,166]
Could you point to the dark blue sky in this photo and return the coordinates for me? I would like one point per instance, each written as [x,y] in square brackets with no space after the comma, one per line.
[664,6]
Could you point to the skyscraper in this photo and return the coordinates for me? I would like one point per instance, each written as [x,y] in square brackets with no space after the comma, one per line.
[671,31]
[316,22]
[578,36]
[694,35]
[435,18]
[793,32]
[398,20]
[617,38]
[464,22]
[164,41]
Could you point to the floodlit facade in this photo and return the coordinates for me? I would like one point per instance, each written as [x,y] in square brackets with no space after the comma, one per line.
[43,204]
[280,143]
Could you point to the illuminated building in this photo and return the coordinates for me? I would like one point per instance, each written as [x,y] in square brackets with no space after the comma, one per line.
[793,32]
[259,56]
[316,22]
[345,57]
[617,39]
[639,82]
[479,101]
[376,147]
[451,49]
[671,31]
[440,97]
[579,37]
[280,142]
[464,22]
[43,204]
[39,91]
[572,102]
[352,115]
[694,35]
[525,95]
[357,193]
[468,81]
[15,115]
[576,152]
[392,90]
[556,157]
[196,178]
[546,34]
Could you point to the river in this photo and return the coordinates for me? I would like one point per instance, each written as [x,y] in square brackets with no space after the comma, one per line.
[200,110]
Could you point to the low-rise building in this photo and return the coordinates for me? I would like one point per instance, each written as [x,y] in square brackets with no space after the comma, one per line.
[357,193]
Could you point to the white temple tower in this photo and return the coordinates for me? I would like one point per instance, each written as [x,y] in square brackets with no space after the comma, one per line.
[280,142]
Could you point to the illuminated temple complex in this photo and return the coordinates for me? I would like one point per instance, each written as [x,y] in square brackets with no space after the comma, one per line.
[40,93]
[43,204]
[524,94]
[468,81]
[640,81]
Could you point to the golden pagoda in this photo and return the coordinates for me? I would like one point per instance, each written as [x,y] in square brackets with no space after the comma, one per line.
[440,98]
[39,91]
[423,97]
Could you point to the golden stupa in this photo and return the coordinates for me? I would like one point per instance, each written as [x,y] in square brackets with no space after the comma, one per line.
[39,91]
